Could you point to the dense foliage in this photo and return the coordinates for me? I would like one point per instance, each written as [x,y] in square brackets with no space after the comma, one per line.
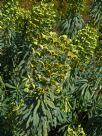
[50,68]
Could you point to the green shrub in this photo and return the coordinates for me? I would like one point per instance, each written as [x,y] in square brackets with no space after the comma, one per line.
[35,67]
[79,131]
[41,92]
[86,44]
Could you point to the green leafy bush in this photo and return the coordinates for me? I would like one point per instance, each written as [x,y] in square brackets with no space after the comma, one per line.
[36,63]
[77,132]
[41,91]
[49,62]
[86,44]
[96,11]
[71,24]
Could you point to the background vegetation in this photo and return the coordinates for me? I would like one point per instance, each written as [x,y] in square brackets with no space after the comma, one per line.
[50,67]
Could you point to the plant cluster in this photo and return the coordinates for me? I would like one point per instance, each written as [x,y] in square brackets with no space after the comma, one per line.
[50,83]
